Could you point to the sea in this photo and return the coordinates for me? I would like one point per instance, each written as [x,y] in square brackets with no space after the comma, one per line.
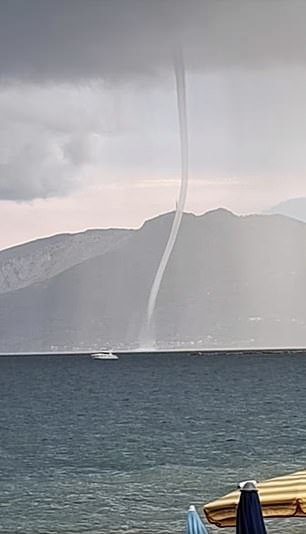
[113,447]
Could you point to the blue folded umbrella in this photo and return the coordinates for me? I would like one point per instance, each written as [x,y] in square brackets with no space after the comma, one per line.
[194,523]
[249,518]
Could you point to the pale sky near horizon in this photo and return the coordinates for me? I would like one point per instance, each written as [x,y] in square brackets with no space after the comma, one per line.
[88,131]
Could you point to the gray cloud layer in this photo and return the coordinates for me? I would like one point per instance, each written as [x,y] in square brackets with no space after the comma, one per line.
[55,138]
[48,136]
[60,123]
[73,39]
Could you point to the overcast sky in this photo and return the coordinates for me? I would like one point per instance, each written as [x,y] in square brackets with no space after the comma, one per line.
[88,131]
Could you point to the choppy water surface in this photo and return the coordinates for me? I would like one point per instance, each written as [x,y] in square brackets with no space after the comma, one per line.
[125,446]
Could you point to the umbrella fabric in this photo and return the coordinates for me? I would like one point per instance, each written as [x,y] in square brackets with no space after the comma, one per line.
[283,496]
[194,523]
[249,517]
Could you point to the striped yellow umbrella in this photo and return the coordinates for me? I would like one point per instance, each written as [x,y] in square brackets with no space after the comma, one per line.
[283,496]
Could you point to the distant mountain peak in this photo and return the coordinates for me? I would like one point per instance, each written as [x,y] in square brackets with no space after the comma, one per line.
[220,212]
[293,207]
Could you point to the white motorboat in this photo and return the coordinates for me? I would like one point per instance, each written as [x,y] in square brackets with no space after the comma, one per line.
[104,356]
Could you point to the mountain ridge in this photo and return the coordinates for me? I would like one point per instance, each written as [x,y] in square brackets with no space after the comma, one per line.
[231,280]
[22,265]
[292,207]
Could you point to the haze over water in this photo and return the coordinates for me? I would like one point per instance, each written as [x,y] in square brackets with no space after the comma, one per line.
[126,446]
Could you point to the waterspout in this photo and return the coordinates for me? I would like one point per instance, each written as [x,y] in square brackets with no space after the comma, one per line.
[179,69]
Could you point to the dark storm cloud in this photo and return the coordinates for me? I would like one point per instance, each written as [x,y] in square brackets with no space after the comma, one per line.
[73,39]
[61,124]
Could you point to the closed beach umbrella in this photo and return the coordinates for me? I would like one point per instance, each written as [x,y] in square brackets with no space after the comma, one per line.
[249,518]
[194,523]
[283,496]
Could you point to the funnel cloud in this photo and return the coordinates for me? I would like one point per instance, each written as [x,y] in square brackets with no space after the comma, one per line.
[183,131]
